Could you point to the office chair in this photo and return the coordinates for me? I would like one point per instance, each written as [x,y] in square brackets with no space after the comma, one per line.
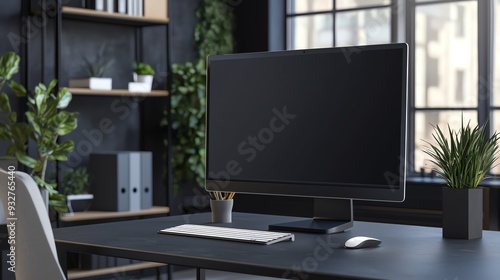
[36,255]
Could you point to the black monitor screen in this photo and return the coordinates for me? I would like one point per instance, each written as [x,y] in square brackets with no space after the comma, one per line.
[325,122]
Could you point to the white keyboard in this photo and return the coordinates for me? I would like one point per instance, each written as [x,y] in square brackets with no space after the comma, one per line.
[231,234]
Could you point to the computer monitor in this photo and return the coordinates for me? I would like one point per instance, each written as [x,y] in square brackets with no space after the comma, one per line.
[323,123]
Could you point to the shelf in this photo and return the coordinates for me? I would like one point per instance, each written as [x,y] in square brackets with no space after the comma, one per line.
[99,215]
[86,91]
[77,273]
[116,18]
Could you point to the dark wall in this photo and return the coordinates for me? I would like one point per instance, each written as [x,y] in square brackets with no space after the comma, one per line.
[82,40]
[252,26]
[10,27]
[260,25]
[182,22]
[10,32]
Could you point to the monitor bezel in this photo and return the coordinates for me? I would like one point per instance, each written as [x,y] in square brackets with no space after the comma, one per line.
[358,192]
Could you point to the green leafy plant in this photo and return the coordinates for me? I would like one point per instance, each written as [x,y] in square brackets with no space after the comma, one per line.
[75,181]
[465,157]
[188,122]
[143,69]
[214,32]
[98,66]
[46,120]
[9,65]
[213,35]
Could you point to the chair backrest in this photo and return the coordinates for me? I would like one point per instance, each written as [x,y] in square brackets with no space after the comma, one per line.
[35,249]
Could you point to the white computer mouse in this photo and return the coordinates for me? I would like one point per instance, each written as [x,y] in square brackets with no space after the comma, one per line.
[358,242]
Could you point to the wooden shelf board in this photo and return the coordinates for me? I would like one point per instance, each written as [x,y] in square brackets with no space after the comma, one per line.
[77,273]
[98,215]
[101,16]
[86,91]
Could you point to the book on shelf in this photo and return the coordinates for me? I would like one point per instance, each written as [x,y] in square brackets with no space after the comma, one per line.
[92,83]
[122,6]
[155,9]
[140,6]
[130,7]
[147,8]
[110,6]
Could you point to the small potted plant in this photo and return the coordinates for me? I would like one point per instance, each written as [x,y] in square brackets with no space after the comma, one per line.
[96,69]
[462,160]
[75,183]
[144,73]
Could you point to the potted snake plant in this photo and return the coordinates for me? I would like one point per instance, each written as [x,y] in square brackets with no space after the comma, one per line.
[462,159]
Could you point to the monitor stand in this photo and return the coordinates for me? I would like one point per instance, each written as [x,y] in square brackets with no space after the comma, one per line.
[330,216]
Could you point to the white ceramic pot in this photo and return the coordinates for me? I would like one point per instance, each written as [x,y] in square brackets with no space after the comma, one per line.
[146,79]
[79,202]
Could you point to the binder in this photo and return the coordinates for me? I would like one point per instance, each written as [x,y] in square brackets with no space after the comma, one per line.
[110,6]
[146,180]
[109,173]
[134,181]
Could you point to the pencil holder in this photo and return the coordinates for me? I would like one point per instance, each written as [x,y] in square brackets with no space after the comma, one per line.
[221,210]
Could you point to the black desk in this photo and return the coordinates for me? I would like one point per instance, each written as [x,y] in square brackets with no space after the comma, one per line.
[406,252]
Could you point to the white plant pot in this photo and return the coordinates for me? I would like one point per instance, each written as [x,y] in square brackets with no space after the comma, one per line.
[146,79]
[92,83]
[79,202]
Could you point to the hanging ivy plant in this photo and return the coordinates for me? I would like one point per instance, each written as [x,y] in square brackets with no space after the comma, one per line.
[213,35]
[214,32]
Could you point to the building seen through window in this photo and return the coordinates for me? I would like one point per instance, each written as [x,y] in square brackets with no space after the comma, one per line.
[445,47]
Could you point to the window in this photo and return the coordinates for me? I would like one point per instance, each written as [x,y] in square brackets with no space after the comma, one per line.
[446,70]
[318,23]
[447,55]
[494,87]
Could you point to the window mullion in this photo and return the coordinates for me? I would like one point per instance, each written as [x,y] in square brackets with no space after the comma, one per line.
[485,59]
[410,39]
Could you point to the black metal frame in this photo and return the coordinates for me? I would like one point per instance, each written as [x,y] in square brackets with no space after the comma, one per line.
[138,55]
[139,49]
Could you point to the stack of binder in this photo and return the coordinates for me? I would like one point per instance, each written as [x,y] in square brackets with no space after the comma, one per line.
[121,181]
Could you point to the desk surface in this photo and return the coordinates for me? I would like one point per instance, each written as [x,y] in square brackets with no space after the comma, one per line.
[406,252]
